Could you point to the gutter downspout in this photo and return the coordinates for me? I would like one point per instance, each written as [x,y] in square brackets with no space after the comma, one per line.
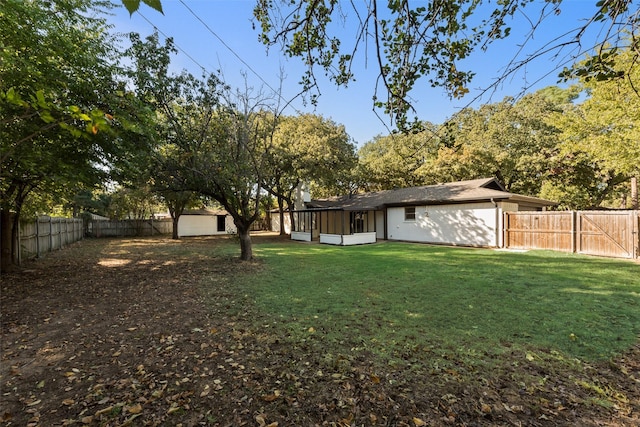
[498,229]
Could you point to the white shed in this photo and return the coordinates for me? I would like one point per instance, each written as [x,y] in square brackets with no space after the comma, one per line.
[205,222]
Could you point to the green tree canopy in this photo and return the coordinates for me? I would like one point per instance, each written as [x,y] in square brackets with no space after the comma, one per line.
[307,150]
[600,136]
[63,108]
[399,160]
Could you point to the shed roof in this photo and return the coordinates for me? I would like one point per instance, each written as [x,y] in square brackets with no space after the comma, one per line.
[475,190]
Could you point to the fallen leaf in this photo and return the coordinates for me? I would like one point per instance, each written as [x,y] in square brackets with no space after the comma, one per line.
[375,379]
[173,409]
[271,397]
[104,410]
[68,402]
[87,420]
[260,420]
[134,409]
[418,422]
[206,391]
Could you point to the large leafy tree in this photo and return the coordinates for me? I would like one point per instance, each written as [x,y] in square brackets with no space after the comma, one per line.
[511,140]
[411,42]
[213,140]
[169,182]
[399,160]
[182,106]
[605,127]
[232,163]
[61,105]
[307,150]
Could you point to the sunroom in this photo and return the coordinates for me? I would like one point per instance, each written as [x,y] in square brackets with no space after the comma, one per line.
[335,226]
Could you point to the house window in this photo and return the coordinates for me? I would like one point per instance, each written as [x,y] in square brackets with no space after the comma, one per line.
[410,213]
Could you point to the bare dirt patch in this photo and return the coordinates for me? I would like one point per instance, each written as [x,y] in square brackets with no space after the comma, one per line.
[116,332]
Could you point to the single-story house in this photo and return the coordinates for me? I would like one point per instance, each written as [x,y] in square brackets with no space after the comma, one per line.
[467,213]
[205,222]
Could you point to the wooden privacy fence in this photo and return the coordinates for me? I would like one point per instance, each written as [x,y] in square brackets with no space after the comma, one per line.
[128,227]
[47,234]
[604,233]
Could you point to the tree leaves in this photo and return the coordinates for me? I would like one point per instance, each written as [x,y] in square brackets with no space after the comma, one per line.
[413,43]
[133,5]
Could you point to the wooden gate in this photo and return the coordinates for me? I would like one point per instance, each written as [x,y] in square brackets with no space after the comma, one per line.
[540,230]
[603,233]
[607,233]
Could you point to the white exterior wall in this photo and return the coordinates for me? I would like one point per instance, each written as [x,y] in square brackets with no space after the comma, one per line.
[203,225]
[469,224]
[275,222]
[303,236]
[359,239]
[331,239]
[348,239]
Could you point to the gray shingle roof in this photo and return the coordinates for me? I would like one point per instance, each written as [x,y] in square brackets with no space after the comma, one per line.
[484,189]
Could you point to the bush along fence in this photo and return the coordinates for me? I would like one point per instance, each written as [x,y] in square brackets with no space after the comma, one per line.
[47,234]
[603,233]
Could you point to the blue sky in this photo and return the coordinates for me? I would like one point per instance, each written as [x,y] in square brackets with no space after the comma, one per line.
[219,35]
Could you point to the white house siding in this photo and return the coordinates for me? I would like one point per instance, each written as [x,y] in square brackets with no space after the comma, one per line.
[469,224]
[275,222]
[203,225]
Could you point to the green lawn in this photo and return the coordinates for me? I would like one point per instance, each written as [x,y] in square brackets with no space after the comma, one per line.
[395,299]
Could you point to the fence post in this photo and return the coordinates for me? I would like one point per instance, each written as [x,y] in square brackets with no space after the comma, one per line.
[573,232]
[19,243]
[578,227]
[37,236]
[634,221]
[505,233]
[50,235]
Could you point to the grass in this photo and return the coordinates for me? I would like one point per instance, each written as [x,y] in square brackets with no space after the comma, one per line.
[392,299]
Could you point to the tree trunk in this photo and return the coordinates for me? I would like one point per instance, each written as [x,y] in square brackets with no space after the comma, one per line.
[246,251]
[281,212]
[6,241]
[292,218]
[174,233]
